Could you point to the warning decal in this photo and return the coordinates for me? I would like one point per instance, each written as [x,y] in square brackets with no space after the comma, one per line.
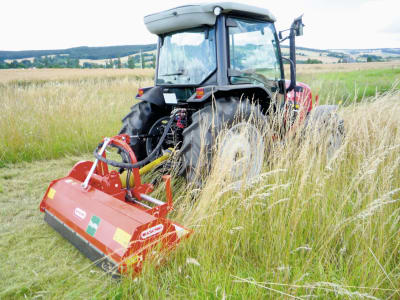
[122,237]
[51,193]
[133,260]
[93,225]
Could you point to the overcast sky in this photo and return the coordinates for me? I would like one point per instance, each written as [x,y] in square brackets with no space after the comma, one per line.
[57,24]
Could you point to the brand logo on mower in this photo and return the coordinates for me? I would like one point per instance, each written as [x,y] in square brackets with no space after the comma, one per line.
[151,231]
[80,213]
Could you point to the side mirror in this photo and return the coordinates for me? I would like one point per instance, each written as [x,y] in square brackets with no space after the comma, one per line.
[298,26]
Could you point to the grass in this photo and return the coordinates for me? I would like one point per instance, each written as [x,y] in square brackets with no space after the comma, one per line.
[52,113]
[308,227]
[49,119]
[346,87]
[43,75]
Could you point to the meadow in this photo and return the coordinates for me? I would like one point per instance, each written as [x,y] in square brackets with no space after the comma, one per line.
[308,227]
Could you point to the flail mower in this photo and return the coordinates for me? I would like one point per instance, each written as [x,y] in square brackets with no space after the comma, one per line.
[111,217]
[209,58]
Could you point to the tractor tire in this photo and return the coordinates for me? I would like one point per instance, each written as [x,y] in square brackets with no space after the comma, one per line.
[139,121]
[217,123]
[326,117]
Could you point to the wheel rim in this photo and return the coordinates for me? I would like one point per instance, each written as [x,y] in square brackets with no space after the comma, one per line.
[241,152]
[157,129]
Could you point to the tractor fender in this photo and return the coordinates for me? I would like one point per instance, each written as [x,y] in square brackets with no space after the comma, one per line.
[254,92]
[303,95]
[323,115]
[322,112]
[153,95]
[231,90]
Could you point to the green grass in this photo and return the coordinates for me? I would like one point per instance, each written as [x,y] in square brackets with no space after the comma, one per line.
[347,87]
[49,119]
[43,119]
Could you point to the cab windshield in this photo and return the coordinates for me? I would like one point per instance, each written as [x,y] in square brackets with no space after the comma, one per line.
[187,58]
[253,52]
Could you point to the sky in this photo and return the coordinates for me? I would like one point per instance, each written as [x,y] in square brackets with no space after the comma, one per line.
[58,24]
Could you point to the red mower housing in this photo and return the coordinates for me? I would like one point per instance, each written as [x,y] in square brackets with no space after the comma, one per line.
[117,235]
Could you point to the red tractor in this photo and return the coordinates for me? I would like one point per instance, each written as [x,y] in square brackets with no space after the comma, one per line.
[214,61]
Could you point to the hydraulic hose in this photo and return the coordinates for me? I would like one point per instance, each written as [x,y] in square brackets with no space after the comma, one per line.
[138,164]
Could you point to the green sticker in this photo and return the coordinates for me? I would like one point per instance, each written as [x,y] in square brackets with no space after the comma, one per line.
[93,225]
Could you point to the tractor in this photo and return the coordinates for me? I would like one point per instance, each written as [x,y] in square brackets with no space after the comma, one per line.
[209,58]
[219,68]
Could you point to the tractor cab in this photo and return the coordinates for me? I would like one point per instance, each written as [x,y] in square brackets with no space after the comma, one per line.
[220,48]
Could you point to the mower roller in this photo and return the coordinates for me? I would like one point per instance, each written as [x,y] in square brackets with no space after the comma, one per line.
[114,225]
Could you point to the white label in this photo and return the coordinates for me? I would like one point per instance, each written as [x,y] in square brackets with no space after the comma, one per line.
[180,232]
[170,98]
[151,231]
[80,213]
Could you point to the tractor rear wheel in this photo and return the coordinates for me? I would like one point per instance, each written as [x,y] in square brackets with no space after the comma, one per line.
[236,128]
[139,121]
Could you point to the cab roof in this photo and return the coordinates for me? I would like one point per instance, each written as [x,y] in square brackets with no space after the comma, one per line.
[195,15]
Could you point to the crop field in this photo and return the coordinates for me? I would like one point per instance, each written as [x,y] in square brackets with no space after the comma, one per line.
[310,226]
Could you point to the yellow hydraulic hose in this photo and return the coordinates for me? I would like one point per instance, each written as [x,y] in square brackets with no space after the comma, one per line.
[147,168]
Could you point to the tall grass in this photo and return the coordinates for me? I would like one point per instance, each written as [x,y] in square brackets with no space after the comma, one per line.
[309,227]
[41,120]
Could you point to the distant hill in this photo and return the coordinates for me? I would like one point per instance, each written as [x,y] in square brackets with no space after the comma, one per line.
[357,51]
[119,56]
[81,52]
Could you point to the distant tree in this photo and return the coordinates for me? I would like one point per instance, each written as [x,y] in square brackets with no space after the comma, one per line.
[153,62]
[109,64]
[119,65]
[14,64]
[313,61]
[46,62]
[115,63]
[3,65]
[26,63]
[131,62]
[372,58]
[142,59]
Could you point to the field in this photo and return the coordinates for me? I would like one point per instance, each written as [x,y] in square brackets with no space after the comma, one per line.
[308,227]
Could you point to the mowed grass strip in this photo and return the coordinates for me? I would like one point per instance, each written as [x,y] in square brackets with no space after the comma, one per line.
[54,118]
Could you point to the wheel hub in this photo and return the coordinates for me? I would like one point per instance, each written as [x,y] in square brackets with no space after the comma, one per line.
[242,151]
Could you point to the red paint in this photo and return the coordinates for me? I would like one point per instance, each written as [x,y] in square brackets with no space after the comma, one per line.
[304,98]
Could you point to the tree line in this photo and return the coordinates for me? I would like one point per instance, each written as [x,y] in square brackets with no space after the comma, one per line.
[141,60]
[81,52]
